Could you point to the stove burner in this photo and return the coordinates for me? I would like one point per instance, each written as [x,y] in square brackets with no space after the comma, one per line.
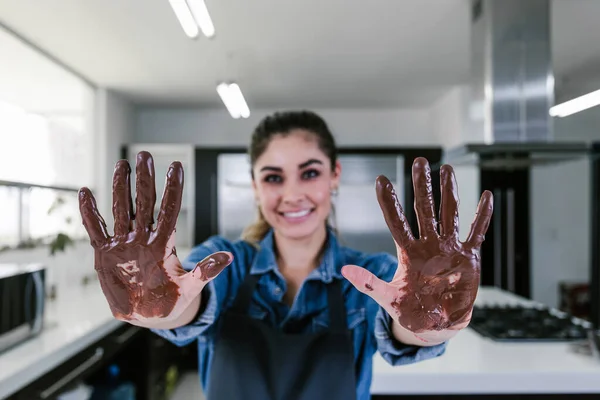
[516,323]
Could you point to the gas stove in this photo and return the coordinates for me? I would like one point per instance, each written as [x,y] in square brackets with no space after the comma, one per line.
[516,323]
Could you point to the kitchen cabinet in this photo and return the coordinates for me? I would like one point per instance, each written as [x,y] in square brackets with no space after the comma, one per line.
[145,361]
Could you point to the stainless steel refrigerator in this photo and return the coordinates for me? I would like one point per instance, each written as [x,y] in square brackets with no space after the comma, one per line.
[358,216]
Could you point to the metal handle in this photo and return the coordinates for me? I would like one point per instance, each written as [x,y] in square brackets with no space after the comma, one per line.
[27,299]
[594,338]
[510,239]
[497,238]
[128,334]
[39,301]
[213,201]
[62,382]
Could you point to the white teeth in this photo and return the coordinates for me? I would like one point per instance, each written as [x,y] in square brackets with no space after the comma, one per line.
[296,214]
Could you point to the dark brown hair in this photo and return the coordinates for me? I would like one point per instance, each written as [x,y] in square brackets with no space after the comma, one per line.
[283,123]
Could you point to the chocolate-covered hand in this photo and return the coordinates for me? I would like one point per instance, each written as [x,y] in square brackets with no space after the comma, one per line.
[436,283]
[138,268]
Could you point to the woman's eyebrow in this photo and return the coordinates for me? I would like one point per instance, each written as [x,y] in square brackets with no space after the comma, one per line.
[270,168]
[300,166]
[309,162]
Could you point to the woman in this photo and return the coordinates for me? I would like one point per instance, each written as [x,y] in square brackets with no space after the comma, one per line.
[286,312]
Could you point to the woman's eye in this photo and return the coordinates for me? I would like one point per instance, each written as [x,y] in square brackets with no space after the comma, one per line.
[273,179]
[311,173]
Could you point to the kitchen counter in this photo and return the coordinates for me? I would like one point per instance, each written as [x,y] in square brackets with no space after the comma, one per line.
[78,317]
[472,364]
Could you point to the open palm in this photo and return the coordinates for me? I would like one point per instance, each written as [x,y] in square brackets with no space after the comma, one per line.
[138,268]
[436,283]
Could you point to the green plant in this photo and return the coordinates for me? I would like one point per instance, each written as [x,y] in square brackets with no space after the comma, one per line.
[60,243]
[61,240]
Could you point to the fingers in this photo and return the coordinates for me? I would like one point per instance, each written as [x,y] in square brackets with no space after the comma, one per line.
[481,221]
[424,204]
[205,271]
[122,205]
[92,220]
[171,201]
[392,212]
[367,283]
[145,194]
[449,203]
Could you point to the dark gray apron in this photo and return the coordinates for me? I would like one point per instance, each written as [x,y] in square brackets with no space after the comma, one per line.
[253,361]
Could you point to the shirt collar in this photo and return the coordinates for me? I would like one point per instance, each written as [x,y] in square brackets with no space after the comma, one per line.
[329,268]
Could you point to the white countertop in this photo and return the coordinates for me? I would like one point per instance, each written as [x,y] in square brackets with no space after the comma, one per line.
[77,318]
[471,364]
[474,364]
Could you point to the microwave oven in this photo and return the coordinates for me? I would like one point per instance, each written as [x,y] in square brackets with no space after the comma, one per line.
[22,302]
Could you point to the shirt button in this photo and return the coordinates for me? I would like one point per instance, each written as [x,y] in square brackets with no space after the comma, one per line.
[277,290]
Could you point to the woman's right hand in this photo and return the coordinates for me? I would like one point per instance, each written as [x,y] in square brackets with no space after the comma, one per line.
[139,272]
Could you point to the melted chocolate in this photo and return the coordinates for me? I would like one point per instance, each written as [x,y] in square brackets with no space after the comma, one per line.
[131,264]
[212,265]
[440,274]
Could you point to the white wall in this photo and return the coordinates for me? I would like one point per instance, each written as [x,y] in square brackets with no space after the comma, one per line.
[450,126]
[116,124]
[449,117]
[212,128]
[560,213]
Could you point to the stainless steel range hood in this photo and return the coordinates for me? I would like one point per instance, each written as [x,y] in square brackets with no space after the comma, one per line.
[512,89]
[508,156]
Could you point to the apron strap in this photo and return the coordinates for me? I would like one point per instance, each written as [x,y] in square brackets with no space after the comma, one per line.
[244,294]
[337,310]
[335,300]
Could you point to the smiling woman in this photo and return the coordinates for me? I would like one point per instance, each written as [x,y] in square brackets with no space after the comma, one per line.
[287,309]
[294,171]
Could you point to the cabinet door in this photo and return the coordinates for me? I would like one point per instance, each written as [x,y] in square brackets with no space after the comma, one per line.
[164,155]
[236,204]
[358,216]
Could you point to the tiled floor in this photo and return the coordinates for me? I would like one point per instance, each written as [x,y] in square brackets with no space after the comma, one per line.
[188,388]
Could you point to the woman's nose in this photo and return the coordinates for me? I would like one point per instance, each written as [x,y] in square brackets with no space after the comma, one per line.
[292,192]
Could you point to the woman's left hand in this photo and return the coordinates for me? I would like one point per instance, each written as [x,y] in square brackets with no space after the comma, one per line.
[432,293]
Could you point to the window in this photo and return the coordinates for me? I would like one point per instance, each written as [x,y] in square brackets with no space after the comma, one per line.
[46,138]
[32,215]
[42,149]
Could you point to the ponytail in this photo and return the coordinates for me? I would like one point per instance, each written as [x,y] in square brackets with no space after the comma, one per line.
[331,221]
[256,231]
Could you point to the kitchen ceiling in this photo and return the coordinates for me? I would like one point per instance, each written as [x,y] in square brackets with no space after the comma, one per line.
[311,53]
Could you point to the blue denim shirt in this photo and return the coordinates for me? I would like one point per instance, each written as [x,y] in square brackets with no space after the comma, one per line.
[371,324]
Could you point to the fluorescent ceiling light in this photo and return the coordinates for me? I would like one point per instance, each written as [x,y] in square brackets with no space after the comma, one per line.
[193,14]
[576,105]
[234,101]
[202,17]
[185,17]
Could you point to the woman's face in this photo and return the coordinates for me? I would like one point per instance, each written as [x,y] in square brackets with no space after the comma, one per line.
[293,182]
